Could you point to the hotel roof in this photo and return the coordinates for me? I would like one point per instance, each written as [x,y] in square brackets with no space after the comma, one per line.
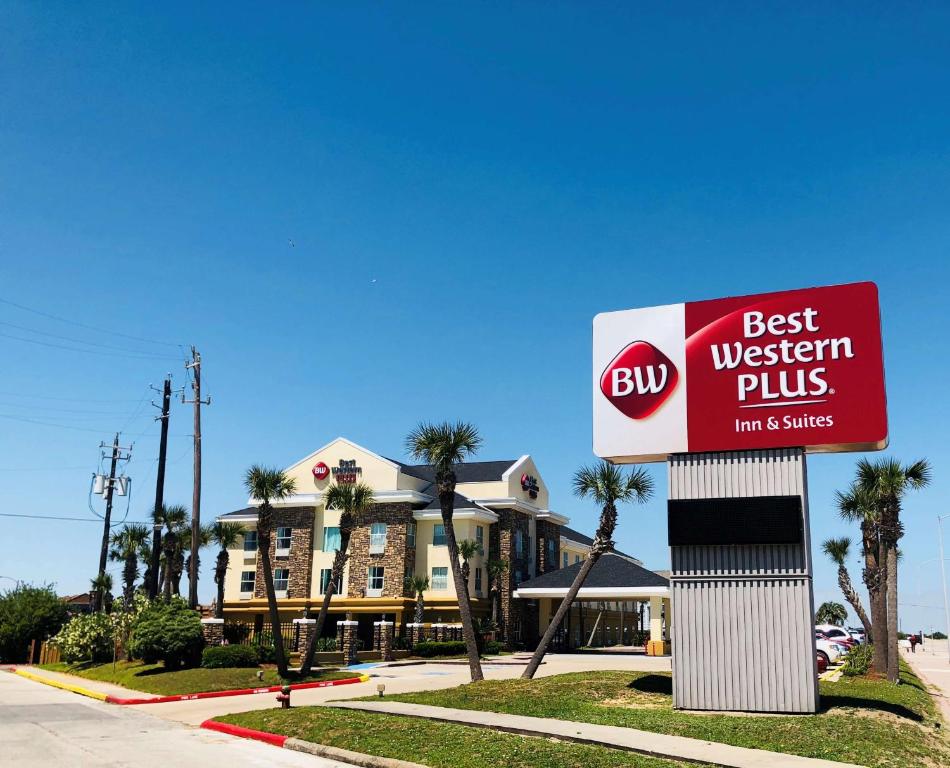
[612,570]
[466,472]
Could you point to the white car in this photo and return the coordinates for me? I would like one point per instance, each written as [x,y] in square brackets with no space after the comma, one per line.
[833,633]
[829,649]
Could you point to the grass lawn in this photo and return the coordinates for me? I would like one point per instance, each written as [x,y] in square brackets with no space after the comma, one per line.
[868,722]
[439,745]
[152,678]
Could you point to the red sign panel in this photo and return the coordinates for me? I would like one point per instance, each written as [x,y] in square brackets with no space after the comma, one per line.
[792,369]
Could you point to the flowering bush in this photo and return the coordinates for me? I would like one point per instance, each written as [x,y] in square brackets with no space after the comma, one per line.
[86,638]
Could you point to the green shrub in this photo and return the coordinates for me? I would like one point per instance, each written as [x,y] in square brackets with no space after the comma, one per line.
[170,632]
[86,637]
[857,661]
[219,656]
[28,613]
[428,648]
[492,648]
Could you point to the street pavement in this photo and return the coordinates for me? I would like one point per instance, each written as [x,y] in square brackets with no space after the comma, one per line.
[932,664]
[44,727]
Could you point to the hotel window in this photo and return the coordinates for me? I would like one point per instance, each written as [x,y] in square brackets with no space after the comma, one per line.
[478,581]
[438,535]
[411,535]
[552,552]
[250,543]
[283,541]
[377,538]
[480,538]
[577,558]
[519,542]
[281,577]
[331,538]
[247,582]
[518,577]
[325,581]
[440,579]
[374,585]
[564,557]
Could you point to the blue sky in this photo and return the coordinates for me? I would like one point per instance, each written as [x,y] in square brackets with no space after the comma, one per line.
[465,187]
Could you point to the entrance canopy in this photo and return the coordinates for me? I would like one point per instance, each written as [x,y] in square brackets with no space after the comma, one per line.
[614,577]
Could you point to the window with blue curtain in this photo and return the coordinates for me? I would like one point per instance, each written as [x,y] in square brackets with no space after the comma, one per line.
[331,538]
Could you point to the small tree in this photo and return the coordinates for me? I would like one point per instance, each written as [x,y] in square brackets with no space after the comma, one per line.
[831,613]
[468,548]
[170,632]
[125,545]
[225,536]
[837,550]
[28,613]
[417,586]
[102,587]
[496,570]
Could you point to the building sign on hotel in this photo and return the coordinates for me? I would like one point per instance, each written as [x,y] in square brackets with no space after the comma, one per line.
[798,368]
[347,471]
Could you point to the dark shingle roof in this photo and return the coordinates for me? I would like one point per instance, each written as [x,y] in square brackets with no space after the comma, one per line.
[611,570]
[460,501]
[467,472]
[241,512]
[580,538]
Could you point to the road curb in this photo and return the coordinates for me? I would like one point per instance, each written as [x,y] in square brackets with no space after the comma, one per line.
[309,747]
[110,699]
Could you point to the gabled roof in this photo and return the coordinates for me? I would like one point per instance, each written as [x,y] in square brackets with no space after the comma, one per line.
[611,571]
[246,512]
[580,538]
[460,502]
[467,472]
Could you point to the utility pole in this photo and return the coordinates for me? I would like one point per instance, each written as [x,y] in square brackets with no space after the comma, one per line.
[104,550]
[195,366]
[159,491]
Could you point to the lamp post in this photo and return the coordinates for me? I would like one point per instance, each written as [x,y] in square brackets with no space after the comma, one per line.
[943,579]
[15,581]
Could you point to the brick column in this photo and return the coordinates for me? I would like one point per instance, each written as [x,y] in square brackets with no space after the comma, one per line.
[349,643]
[376,636]
[384,631]
[438,632]
[415,633]
[306,628]
[213,631]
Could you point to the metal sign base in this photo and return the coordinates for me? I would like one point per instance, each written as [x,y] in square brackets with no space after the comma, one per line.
[743,614]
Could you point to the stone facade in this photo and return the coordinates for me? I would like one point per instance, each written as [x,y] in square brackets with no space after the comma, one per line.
[348,641]
[398,559]
[299,561]
[213,631]
[502,541]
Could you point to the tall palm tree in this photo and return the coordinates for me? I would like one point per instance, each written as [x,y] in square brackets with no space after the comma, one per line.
[495,570]
[468,548]
[445,446]
[352,500]
[125,545]
[887,481]
[418,585]
[102,586]
[831,612]
[204,540]
[607,485]
[225,536]
[857,505]
[266,485]
[838,550]
[176,520]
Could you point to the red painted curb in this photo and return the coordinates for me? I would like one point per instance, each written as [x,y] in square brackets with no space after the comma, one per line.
[233,692]
[245,733]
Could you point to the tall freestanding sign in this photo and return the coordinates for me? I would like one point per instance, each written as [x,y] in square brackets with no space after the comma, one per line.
[732,393]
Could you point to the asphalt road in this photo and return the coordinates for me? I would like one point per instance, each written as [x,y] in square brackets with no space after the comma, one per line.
[45,727]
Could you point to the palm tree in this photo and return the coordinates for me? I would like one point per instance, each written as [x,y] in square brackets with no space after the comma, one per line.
[125,545]
[857,505]
[886,480]
[265,485]
[352,500]
[468,548]
[496,570]
[417,585]
[175,518]
[837,550]
[444,446]
[102,586]
[225,536]
[145,556]
[204,540]
[831,613]
[607,485]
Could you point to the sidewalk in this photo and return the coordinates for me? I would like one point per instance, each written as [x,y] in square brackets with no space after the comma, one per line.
[930,664]
[644,742]
[107,689]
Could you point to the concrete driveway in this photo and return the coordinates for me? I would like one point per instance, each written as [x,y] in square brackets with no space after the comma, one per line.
[43,727]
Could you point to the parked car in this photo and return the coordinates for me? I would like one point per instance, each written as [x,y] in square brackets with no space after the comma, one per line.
[829,649]
[858,634]
[837,634]
[822,662]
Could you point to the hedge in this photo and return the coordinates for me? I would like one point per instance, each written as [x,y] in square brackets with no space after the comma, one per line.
[430,648]
[218,656]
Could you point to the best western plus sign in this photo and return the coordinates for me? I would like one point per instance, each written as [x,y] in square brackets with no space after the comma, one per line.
[792,369]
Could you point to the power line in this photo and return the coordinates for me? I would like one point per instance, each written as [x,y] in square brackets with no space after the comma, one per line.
[78,341]
[66,399]
[73,427]
[58,517]
[145,356]
[84,325]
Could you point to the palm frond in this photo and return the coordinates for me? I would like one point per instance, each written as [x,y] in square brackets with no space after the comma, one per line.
[468,548]
[225,535]
[607,484]
[268,484]
[837,549]
[443,445]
